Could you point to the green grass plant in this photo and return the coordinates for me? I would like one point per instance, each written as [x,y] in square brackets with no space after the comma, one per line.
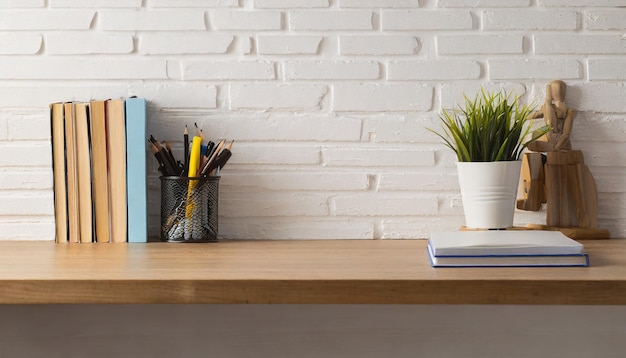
[490,127]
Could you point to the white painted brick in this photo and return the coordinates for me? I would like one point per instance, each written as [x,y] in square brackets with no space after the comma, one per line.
[598,154]
[40,229]
[378,3]
[377,157]
[22,3]
[25,154]
[534,69]
[375,97]
[609,180]
[293,4]
[312,228]
[288,44]
[284,127]
[31,203]
[451,95]
[426,20]
[228,70]
[419,227]
[184,43]
[298,181]
[27,125]
[276,96]
[433,70]
[614,205]
[327,70]
[170,95]
[12,179]
[193,3]
[607,69]
[151,20]
[378,45]
[46,19]
[399,129]
[580,44]
[482,3]
[284,134]
[574,3]
[479,44]
[383,205]
[599,127]
[529,20]
[74,68]
[173,95]
[444,179]
[19,44]
[4,129]
[88,43]
[278,154]
[271,203]
[330,20]
[598,97]
[95,3]
[605,20]
[245,20]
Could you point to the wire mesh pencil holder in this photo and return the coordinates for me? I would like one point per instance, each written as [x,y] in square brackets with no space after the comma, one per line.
[189,209]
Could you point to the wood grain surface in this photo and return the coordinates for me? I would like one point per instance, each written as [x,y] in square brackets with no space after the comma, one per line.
[298,271]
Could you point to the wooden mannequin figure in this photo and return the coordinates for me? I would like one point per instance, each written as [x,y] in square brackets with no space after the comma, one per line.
[559,177]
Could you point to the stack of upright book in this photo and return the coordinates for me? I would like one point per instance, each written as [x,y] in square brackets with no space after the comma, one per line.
[515,248]
[99,168]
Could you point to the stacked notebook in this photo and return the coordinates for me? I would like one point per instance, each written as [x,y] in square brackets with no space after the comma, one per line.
[517,248]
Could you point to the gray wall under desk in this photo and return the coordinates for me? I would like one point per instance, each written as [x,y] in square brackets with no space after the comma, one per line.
[154,331]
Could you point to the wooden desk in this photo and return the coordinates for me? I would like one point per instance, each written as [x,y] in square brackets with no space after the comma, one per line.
[343,271]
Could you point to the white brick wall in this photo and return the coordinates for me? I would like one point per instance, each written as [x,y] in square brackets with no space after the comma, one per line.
[327,100]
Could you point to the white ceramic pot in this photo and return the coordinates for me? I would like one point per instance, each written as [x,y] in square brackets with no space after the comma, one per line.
[489,192]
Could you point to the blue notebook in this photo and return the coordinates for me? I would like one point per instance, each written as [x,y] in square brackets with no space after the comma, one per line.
[524,248]
[136,169]
[567,260]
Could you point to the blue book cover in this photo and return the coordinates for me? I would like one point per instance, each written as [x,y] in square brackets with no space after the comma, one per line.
[136,169]
[513,260]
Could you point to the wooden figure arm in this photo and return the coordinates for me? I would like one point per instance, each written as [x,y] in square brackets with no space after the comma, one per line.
[568,122]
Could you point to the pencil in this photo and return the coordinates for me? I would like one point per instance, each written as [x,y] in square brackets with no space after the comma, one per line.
[186,144]
[212,159]
[158,157]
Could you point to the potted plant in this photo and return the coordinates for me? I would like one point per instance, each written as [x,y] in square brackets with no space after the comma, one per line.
[488,135]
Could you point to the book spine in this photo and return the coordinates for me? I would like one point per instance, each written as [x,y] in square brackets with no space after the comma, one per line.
[116,147]
[58,169]
[72,173]
[136,169]
[100,184]
[83,165]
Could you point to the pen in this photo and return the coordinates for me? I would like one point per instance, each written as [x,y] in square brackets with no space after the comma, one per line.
[186,149]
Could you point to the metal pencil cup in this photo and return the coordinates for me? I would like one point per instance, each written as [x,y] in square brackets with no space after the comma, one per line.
[189,209]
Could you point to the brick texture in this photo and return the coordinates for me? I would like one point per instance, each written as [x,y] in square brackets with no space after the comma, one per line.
[328,101]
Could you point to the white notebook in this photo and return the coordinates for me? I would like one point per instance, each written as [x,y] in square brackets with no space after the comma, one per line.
[503,242]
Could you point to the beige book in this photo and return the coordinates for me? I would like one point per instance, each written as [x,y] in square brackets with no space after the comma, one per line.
[72,173]
[100,186]
[116,146]
[58,169]
[83,164]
